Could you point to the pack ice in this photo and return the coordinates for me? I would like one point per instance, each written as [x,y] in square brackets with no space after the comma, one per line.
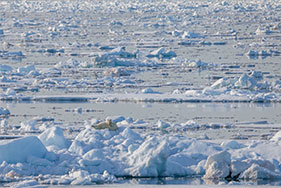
[96,156]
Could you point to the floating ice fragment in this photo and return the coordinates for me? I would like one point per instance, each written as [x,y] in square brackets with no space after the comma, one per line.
[258,75]
[71,63]
[199,64]
[254,54]
[245,82]
[163,125]
[117,72]
[4,111]
[238,166]
[10,92]
[26,69]
[212,92]
[18,54]
[54,137]
[81,177]
[149,160]
[29,126]
[218,165]
[79,110]
[162,53]
[4,124]
[263,30]
[150,91]
[27,183]
[190,124]
[276,137]
[5,79]
[189,34]
[121,52]
[258,172]
[177,33]
[5,68]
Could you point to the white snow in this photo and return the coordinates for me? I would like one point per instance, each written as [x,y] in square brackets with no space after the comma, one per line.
[100,155]
[18,150]
[53,137]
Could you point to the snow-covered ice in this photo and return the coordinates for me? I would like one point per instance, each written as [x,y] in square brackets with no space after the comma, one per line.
[95,156]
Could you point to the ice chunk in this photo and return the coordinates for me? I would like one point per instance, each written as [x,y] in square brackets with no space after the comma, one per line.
[10,92]
[26,183]
[162,125]
[79,110]
[117,72]
[162,53]
[237,167]
[113,58]
[258,172]
[223,82]
[18,54]
[211,91]
[4,124]
[81,177]
[189,34]
[150,91]
[177,33]
[258,75]
[5,68]
[190,124]
[149,160]
[53,137]
[276,137]
[199,64]
[28,126]
[263,30]
[5,79]
[18,150]
[4,111]
[218,165]
[71,63]
[232,144]
[121,52]
[245,82]
[26,69]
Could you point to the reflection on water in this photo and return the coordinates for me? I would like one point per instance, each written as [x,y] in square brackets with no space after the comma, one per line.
[249,116]
[196,181]
[175,113]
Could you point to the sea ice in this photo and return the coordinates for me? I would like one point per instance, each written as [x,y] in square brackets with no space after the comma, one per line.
[4,111]
[19,150]
[53,137]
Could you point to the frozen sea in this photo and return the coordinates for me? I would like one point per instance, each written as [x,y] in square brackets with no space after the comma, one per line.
[194,88]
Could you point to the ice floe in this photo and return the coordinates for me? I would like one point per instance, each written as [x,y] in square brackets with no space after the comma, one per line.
[99,156]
